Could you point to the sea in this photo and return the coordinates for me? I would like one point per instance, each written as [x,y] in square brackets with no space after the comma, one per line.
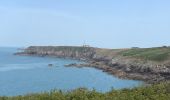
[21,75]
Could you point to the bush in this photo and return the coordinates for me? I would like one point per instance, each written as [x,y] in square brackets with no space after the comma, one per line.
[155,92]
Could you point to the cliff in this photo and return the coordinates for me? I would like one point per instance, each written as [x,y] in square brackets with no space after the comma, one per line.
[60,51]
[148,64]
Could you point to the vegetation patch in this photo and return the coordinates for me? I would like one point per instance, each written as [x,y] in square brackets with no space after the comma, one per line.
[154,54]
[159,91]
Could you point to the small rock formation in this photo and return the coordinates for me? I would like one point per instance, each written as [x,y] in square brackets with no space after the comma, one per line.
[77,65]
[50,65]
[69,65]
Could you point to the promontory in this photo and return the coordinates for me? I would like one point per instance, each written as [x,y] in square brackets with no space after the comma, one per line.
[151,65]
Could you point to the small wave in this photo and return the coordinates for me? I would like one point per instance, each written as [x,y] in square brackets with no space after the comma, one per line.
[10,67]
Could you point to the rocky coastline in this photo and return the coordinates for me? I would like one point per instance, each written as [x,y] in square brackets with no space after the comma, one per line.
[107,60]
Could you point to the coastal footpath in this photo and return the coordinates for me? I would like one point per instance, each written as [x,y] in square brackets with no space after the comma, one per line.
[151,65]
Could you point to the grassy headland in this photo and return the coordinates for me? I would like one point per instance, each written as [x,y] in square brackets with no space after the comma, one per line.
[151,65]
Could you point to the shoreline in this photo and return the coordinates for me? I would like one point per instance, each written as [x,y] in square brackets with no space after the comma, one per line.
[147,79]
[125,68]
[100,66]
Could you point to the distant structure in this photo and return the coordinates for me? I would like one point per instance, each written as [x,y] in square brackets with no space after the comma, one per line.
[85,45]
[135,47]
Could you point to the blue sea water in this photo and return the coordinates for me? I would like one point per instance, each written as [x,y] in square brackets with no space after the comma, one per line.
[21,75]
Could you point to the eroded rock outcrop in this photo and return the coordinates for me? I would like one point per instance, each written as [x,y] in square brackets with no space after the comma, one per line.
[60,51]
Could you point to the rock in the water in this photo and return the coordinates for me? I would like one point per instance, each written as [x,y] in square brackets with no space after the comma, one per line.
[50,65]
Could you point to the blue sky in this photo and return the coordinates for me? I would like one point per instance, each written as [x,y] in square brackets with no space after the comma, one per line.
[100,23]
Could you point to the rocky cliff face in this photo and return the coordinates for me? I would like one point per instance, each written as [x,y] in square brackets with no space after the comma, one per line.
[60,51]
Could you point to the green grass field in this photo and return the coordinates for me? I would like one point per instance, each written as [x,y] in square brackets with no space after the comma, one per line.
[153,54]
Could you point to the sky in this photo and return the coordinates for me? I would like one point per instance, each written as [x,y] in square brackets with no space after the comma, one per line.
[98,23]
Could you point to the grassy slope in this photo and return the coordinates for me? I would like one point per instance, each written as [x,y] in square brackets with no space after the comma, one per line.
[155,92]
[153,54]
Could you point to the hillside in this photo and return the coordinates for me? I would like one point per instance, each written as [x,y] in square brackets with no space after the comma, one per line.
[158,54]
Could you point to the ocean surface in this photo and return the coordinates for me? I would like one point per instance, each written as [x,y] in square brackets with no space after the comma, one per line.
[21,75]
